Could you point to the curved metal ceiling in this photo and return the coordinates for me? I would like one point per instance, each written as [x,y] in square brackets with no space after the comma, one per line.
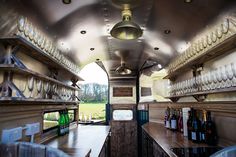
[64,24]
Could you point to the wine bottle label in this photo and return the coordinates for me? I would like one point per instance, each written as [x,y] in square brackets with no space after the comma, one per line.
[167,124]
[173,124]
[194,136]
[203,136]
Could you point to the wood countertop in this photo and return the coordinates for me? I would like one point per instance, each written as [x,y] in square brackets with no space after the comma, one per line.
[168,139]
[81,140]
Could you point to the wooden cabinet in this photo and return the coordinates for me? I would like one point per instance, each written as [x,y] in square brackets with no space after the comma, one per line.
[123,139]
[150,148]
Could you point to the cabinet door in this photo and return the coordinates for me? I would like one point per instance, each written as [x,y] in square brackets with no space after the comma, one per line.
[131,139]
[123,139]
[117,139]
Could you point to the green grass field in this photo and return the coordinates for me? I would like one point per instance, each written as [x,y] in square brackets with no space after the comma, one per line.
[97,110]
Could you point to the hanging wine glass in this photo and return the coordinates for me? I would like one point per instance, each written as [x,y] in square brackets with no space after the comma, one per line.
[39,89]
[31,86]
[229,74]
[219,78]
[224,76]
[233,67]
[214,79]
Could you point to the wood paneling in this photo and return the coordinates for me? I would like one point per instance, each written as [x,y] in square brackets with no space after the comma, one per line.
[12,116]
[123,139]
[122,91]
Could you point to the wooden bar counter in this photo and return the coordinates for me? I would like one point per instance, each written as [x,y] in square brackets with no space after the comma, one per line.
[82,140]
[167,139]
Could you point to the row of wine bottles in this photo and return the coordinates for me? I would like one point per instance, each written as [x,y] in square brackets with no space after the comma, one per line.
[63,122]
[203,130]
[174,119]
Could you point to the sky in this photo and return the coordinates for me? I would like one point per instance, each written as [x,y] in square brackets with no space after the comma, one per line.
[92,73]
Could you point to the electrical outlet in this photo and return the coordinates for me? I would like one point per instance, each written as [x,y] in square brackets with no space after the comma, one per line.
[32,129]
[11,135]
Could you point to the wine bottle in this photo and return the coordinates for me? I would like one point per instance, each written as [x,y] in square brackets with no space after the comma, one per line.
[180,121]
[173,121]
[189,124]
[203,128]
[211,136]
[196,128]
[67,123]
[167,122]
[61,124]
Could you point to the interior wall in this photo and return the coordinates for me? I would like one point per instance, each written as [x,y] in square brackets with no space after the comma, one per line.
[123,99]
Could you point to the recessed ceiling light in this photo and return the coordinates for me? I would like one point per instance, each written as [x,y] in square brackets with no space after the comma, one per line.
[156,48]
[167,31]
[97,59]
[188,1]
[83,32]
[66,1]
[159,66]
[91,49]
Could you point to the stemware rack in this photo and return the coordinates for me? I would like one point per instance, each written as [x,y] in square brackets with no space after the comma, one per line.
[216,41]
[41,88]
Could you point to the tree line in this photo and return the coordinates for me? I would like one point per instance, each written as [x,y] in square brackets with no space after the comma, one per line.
[94,92]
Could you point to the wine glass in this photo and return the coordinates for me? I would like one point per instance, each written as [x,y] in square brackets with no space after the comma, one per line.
[39,88]
[219,77]
[21,23]
[225,26]
[224,76]
[213,37]
[229,74]
[31,85]
[233,67]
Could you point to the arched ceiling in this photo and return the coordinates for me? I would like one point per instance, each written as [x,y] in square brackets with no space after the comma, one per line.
[64,24]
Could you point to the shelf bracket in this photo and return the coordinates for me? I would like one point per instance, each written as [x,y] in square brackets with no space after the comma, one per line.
[10,58]
[174,99]
[200,98]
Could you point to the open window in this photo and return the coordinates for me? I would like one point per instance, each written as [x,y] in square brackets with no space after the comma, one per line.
[50,119]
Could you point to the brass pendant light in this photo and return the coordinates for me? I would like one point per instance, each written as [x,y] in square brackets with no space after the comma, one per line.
[123,70]
[126,29]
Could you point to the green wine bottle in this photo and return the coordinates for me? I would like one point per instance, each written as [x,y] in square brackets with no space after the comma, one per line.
[61,124]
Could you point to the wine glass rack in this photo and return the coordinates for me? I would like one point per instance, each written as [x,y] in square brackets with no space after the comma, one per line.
[218,40]
[34,86]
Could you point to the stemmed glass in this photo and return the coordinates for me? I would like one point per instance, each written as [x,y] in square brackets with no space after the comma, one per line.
[46,89]
[204,82]
[22,86]
[224,76]
[219,78]
[229,74]
[31,86]
[233,67]
[214,78]
[39,88]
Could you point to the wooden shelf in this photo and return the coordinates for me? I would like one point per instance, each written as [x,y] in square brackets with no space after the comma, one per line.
[26,72]
[200,96]
[38,54]
[217,50]
[13,100]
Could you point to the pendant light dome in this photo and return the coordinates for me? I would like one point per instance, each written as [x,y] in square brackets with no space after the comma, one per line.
[126,29]
[123,70]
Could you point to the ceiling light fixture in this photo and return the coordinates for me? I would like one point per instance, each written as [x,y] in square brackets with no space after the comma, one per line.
[91,49]
[156,48]
[167,31]
[66,1]
[83,32]
[187,1]
[126,29]
[123,70]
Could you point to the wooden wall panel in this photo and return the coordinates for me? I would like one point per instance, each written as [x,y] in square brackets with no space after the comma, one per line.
[122,91]
[223,114]
[15,115]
